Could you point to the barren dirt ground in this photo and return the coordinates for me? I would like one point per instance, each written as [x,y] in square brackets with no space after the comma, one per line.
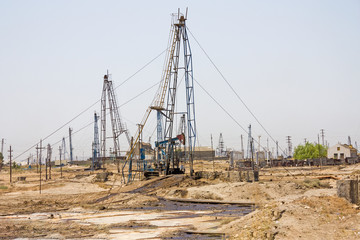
[290,203]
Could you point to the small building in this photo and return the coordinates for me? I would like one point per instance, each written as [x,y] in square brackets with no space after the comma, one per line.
[341,151]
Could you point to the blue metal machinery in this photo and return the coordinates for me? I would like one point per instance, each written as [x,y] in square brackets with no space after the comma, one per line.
[159,128]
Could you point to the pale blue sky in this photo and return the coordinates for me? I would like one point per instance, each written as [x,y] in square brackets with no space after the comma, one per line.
[295,63]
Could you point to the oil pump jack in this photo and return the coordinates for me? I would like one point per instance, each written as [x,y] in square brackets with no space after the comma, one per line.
[178,60]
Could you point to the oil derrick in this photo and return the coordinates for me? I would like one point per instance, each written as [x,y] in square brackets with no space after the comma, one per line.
[63,149]
[71,147]
[48,161]
[179,49]
[349,141]
[108,97]
[180,42]
[288,141]
[95,164]
[322,131]
[221,148]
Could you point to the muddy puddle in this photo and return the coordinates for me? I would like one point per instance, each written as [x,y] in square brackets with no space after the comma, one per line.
[184,235]
[206,209]
[155,222]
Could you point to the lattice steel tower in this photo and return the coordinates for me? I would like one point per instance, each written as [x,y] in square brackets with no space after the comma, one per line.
[118,127]
[221,147]
[180,42]
[96,145]
[179,49]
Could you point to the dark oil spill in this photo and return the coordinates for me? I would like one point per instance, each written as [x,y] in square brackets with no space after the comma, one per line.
[220,210]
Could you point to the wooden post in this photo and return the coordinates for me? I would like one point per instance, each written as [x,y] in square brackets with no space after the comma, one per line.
[39,161]
[213,157]
[46,169]
[60,161]
[49,168]
[10,151]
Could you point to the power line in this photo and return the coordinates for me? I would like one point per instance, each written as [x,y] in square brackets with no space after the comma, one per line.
[82,112]
[253,140]
[224,110]
[233,90]
[89,124]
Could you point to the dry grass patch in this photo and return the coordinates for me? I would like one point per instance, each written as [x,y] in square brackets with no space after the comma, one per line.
[314,183]
[260,225]
[329,205]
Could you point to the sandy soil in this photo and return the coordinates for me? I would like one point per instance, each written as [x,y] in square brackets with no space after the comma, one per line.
[289,204]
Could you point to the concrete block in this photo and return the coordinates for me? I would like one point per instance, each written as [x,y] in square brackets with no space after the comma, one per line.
[348,189]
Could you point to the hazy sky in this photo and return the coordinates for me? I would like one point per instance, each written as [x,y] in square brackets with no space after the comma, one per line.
[295,63]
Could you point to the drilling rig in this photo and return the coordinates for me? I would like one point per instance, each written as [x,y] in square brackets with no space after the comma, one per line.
[118,127]
[178,60]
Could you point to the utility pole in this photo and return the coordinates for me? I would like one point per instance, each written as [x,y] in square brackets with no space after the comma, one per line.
[252,153]
[10,152]
[40,148]
[37,159]
[213,156]
[319,150]
[305,141]
[71,147]
[242,147]
[277,149]
[3,155]
[288,140]
[2,146]
[267,150]
[46,168]
[60,152]
[322,136]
